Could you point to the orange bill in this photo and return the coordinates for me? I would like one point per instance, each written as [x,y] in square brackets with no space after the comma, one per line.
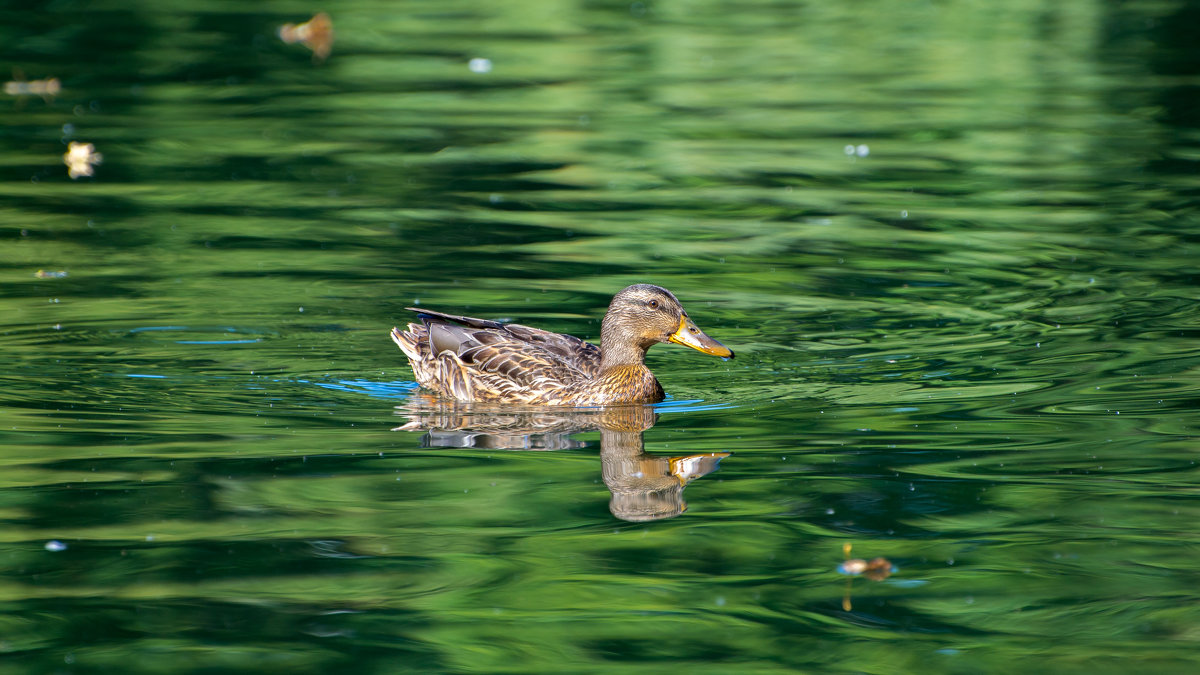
[689,335]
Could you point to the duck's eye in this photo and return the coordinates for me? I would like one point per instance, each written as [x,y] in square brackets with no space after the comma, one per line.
[653,304]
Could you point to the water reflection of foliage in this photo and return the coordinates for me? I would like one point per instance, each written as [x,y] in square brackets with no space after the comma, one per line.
[644,487]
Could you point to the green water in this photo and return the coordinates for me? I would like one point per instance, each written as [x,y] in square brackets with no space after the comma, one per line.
[955,246]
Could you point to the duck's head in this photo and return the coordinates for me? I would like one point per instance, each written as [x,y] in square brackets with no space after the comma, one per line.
[643,315]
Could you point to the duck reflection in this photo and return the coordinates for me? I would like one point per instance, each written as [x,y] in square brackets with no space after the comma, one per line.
[644,487]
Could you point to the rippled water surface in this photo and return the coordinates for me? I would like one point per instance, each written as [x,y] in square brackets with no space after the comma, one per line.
[955,246]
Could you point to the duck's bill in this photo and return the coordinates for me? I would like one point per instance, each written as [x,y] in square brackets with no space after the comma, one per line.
[689,335]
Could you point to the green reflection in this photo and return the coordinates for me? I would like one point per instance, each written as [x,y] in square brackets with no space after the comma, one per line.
[954,245]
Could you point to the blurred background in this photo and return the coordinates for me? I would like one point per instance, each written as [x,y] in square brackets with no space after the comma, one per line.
[954,245]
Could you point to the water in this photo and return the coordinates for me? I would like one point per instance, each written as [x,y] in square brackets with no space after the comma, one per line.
[954,247]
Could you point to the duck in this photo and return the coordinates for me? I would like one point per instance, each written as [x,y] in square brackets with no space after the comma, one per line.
[480,360]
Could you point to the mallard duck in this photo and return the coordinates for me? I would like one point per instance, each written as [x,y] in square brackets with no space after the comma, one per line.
[479,360]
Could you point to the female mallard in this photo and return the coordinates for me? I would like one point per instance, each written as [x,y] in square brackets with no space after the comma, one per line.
[480,360]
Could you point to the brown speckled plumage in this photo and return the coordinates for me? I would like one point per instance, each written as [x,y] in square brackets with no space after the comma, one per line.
[479,360]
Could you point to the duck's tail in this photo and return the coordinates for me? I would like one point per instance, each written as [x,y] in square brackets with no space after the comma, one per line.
[409,341]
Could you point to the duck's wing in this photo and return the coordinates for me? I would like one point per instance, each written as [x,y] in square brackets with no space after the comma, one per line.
[568,350]
[455,318]
[509,360]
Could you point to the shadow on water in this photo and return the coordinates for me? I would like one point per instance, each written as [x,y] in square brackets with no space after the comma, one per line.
[644,487]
